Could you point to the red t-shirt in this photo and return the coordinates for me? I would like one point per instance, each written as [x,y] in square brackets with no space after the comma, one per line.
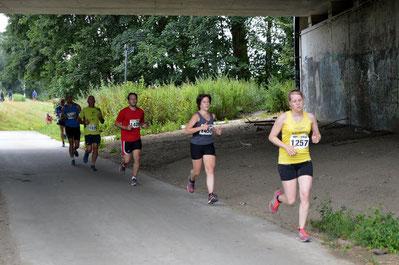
[134,117]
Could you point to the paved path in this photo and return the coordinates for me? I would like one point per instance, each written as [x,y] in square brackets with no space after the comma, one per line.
[61,214]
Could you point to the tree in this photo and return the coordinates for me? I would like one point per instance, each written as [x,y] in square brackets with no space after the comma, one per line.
[240,48]
[70,53]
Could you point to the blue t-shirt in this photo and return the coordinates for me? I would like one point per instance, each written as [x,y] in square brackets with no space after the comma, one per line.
[58,111]
[72,113]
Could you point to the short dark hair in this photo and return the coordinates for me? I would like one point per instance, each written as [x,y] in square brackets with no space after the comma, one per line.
[130,94]
[201,97]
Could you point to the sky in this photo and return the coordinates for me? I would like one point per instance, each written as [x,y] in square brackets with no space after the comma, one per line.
[3,22]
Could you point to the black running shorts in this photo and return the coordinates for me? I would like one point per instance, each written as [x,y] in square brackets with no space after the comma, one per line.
[92,139]
[128,147]
[61,123]
[293,171]
[73,133]
[198,151]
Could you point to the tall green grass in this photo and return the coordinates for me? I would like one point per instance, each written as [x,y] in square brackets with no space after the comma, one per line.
[277,96]
[168,107]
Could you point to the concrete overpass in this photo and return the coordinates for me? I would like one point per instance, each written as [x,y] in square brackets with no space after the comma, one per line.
[347,57]
[169,7]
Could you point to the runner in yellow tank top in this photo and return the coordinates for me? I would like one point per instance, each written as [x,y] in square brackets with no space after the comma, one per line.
[295,133]
[294,162]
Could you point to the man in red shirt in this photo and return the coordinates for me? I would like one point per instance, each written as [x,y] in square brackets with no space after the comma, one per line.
[130,120]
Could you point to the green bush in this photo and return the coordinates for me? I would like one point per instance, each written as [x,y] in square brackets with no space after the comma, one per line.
[167,107]
[336,224]
[277,96]
[376,230]
[18,97]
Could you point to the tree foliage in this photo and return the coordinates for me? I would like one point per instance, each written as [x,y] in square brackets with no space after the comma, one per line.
[57,54]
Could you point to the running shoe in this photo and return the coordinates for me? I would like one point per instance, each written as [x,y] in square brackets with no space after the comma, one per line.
[73,162]
[93,167]
[86,157]
[212,198]
[133,181]
[76,153]
[303,235]
[274,203]
[190,185]
[63,144]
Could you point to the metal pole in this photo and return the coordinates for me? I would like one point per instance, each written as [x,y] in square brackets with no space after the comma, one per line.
[125,63]
[297,32]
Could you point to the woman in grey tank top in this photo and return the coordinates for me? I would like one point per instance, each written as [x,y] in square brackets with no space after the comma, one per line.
[201,126]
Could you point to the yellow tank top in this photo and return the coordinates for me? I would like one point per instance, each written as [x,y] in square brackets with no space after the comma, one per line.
[295,133]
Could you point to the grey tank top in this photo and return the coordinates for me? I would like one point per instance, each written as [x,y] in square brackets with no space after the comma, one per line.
[203,137]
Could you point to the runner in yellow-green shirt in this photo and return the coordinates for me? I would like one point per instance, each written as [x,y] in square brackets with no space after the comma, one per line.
[91,117]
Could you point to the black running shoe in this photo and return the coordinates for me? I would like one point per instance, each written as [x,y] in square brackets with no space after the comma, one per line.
[76,153]
[190,185]
[212,198]
[133,181]
[73,162]
[93,167]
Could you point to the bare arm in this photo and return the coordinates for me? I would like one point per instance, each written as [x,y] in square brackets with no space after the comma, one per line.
[276,129]
[316,136]
[118,123]
[273,136]
[216,129]
[190,125]
[120,126]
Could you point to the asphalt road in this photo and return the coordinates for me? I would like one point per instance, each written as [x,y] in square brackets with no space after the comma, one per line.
[59,214]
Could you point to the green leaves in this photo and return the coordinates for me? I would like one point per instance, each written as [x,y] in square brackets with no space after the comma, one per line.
[375,230]
[71,53]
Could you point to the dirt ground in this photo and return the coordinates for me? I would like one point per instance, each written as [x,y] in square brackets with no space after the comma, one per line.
[352,168]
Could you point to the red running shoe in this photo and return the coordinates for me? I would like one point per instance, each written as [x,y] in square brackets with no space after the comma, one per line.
[274,203]
[303,235]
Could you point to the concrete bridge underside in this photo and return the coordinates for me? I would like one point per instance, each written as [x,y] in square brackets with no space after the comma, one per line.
[168,7]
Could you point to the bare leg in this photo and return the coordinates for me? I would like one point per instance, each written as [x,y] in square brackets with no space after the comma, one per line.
[71,147]
[289,195]
[95,154]
[209,164]
[305,186]
[136,162]
[197,165]
[62,134]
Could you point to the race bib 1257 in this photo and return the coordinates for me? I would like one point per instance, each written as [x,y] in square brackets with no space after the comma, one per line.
[299,141]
